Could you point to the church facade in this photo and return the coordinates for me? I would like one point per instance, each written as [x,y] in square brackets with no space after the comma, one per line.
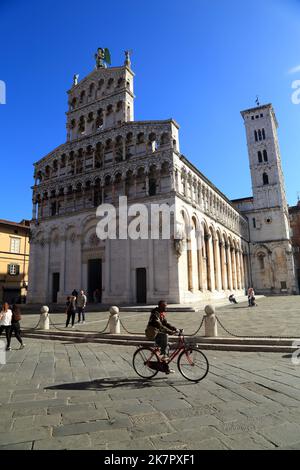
[216,246]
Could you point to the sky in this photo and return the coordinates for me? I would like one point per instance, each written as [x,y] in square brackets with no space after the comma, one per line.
[198,61]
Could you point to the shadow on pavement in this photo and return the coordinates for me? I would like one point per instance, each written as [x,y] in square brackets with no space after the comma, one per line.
[115,382]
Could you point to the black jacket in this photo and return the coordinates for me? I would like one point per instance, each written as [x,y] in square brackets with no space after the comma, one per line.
[157,325]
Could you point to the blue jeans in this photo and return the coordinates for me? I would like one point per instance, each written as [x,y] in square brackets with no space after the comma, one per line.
[162,341]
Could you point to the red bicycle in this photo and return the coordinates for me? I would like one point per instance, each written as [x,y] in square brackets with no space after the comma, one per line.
[191,362]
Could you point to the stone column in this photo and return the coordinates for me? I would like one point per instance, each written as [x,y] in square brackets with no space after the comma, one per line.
[65,200]
[217,264]
[242,270]
[74,200]
[233,265]
[206,270]
[147,184]
[223,265]
[189,265]
[238,268]
[199,260]
[211,264]
[229,267]
[124,149]
[47,274]
[62,286]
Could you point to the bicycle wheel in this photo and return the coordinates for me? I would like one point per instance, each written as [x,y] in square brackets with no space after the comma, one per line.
[193,364]
[145,362]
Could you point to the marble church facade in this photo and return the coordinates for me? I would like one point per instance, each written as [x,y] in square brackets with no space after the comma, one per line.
[213,250]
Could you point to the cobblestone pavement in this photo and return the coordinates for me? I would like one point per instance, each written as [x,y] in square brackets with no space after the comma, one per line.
[65,395]
[57,395]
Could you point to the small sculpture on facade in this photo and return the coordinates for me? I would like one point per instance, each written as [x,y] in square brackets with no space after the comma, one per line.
[102,58]
[178,246]
[75,79]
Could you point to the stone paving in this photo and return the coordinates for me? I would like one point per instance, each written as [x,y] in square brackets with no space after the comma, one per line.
[64,395]
[274,316]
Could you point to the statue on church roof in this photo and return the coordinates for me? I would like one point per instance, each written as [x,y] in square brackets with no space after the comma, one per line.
[75,79]
[102,57]
[127,58]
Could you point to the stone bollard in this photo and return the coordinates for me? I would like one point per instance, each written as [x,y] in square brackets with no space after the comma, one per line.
[114,321]
[44,318]
[210,321]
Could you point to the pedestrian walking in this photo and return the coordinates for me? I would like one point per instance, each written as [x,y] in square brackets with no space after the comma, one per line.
[5,323]
[71,310]
[81,304]
[15,325]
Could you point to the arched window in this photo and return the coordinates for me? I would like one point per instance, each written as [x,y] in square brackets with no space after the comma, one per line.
[263,134]
[259,135]
[259,157]
[265,156]
[82,96]
[265,179]
[255,135]
[91,89]
[261,260]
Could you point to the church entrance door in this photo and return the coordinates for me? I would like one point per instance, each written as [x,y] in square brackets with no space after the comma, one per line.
[95,280]
[55,287]
[141,285]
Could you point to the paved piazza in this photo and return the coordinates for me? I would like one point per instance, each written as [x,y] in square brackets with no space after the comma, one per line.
[65,395]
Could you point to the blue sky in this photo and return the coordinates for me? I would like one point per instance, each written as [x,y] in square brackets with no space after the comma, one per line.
[198,61]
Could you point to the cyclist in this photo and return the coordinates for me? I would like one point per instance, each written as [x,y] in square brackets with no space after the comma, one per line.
[158,328]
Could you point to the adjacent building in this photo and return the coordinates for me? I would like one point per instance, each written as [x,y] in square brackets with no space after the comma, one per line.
[216,247]
[14,260]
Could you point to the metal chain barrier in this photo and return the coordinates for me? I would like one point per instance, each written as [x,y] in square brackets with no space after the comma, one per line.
[139,333]
[127,331]
[57,328]
[34,328]
[248,336]
[197,331]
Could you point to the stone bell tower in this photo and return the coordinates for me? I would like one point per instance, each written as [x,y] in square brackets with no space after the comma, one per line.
[271,250]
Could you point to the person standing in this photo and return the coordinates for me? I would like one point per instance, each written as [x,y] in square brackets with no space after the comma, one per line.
[15,325]
[5,323]
[81,304]
[71,310]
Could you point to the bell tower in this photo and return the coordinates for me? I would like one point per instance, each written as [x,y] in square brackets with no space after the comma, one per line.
[267,211]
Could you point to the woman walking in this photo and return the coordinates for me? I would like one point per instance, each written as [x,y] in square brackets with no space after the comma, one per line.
[15,325]
[5,323]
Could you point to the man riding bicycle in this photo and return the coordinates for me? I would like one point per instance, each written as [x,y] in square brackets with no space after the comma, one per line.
[158,328]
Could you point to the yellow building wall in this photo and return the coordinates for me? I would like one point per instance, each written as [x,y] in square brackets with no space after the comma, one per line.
[10,285]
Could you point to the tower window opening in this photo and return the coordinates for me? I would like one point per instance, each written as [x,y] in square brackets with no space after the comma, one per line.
[263,134]
[265,156]
[259,135]
[265,179]
[255,135]
[260,157]
[254,222]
